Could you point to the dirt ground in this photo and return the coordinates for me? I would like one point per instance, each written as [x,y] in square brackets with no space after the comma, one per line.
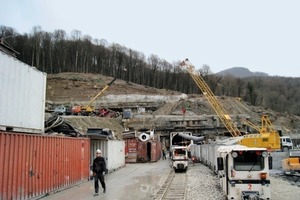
[83,87]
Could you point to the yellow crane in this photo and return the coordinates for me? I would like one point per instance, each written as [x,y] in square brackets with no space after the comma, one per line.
[250,124]
[267,137]
[215,104]
[89,109]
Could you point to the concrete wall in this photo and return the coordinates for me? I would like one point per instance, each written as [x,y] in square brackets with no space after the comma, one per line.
[277,158]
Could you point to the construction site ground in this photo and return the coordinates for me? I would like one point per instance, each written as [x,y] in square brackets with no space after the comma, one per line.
[72,88]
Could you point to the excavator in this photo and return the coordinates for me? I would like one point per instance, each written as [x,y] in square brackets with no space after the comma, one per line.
[89,110]
[267,137]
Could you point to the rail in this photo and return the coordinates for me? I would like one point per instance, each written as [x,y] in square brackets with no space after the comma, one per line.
[174,188]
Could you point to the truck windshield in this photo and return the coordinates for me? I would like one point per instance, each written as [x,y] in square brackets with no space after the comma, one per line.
[248,160]
[179,152]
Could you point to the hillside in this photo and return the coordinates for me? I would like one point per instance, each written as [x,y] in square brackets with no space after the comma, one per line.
[240,72]
[72,87]
[69,88]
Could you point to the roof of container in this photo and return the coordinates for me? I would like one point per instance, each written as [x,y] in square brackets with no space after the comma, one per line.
[228,149]
[7,49]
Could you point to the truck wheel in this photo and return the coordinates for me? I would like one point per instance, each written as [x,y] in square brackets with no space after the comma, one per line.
[285,149]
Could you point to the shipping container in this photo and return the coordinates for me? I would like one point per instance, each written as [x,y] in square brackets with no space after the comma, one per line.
[137,151]
[156,151]
[22,99]
[33,165]
[112,150]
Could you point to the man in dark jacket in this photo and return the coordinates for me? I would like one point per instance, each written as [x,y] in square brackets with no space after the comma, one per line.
[99,169]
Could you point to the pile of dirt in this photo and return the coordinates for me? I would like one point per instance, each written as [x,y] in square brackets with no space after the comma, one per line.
[83,123]
[70,87]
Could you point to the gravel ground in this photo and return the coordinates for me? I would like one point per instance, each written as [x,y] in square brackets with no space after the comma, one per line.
[203,184]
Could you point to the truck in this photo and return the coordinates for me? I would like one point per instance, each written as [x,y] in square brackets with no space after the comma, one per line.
[63,110]
[286,143]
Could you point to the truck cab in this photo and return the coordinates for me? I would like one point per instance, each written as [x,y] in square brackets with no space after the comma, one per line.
[286,143]
[63,110]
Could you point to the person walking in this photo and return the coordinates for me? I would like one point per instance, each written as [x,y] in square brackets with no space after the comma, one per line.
[164,154]
[99,169]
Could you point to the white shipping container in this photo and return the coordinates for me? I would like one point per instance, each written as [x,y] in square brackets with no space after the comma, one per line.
[22,96]
[115,154]
[112,150]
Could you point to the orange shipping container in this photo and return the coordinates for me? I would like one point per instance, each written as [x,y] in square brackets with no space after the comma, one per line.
[33,165]
[140,151]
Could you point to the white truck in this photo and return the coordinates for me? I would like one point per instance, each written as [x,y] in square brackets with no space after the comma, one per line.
[244,172]
[286,143]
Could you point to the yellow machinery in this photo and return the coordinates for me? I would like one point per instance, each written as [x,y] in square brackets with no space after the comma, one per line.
[89,109]
[292,163]
[218,108]
[267,137]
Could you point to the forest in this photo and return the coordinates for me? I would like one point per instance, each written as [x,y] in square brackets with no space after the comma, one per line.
[56,52]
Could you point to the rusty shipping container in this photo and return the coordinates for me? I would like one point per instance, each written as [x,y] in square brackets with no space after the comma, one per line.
[140,151]
[155,151]
[33,165]
[23,94]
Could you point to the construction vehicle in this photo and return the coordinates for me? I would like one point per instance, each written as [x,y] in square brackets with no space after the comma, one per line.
[266,137]
[181,142]
[89,110]
[63,110]
[179,156]
[243,171]
[218,108]
[286,143]
[292,163]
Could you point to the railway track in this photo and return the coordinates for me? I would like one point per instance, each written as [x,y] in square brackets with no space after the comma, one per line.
[174,188]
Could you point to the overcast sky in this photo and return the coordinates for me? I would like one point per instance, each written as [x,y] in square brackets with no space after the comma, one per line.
[261,35]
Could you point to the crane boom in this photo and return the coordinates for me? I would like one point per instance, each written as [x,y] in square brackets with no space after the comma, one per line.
[89,109]
[101,92]
[248,123]
[215,104]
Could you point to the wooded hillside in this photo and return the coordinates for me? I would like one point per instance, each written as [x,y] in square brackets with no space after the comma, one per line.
[56,52]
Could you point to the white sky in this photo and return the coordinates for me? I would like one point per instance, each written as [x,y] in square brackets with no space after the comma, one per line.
[261,35]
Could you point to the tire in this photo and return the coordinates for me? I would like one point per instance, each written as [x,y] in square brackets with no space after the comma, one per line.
[285,149]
